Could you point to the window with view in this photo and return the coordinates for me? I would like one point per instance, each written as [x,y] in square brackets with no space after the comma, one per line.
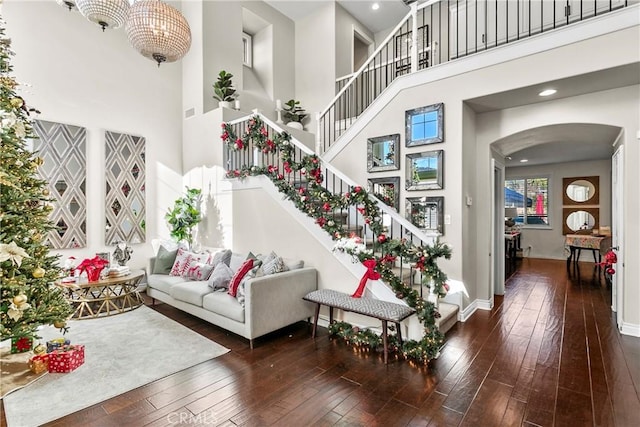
[530,196]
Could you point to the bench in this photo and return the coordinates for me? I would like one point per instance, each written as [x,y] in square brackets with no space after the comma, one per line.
[381,310]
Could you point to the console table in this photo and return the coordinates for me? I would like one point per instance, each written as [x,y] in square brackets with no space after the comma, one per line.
[577,242]
[104,297]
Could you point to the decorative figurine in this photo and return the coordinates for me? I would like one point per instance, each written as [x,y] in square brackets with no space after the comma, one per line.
[122,254]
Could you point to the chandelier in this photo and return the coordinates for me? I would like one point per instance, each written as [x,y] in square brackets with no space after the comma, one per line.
[69,4]
[158,31]
[106,13]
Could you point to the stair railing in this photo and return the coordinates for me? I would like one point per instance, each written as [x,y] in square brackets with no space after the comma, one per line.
[348,220]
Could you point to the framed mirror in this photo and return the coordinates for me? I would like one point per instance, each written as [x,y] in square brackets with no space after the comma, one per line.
[424,170]
[582,190]
[424,125]
[580,220]
[426,213]
[387,190]
[383,153]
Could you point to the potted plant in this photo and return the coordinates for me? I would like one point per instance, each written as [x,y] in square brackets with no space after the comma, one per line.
[185,215]
[294,114]
[223,89]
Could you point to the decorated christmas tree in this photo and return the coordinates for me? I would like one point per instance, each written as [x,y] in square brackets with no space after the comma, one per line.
[28,296]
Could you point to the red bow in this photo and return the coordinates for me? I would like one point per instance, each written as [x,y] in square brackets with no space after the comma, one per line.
[371,273]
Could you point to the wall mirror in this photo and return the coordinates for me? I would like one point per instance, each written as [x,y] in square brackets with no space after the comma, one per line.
[424,125]
[387,190]
[581,190]
[424,171]
[426,213]
[125,188]
[580,220]
[383,153]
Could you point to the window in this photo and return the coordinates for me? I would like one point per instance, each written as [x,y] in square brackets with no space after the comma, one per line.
[530,196]
[247,46]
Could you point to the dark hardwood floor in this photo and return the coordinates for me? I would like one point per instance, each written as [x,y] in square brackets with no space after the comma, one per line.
[548,354]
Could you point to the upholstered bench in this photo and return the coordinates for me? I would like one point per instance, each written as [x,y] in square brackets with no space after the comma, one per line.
[381,310]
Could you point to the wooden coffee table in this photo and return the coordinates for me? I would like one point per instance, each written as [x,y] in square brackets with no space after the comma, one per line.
[104,297]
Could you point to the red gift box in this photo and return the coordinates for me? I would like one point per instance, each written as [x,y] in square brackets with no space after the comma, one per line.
[39,363]
[66,359]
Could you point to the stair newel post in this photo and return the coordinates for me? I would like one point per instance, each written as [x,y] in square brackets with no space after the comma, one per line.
[432,296]
[414,37]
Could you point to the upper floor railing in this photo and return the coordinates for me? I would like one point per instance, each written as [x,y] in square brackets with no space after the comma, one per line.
[438,31]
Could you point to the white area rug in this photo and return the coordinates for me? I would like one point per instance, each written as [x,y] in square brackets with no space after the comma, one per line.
[122,352]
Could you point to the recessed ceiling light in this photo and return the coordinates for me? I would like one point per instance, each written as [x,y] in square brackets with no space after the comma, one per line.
[547,92]
[524,160]
[375,6]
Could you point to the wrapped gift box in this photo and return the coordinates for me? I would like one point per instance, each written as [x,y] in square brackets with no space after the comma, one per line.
[21,344]
[66,358]
[56,343]
[39,363]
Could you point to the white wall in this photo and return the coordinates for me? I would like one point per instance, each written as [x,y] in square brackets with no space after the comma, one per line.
[82,76]
[549,242]
[345,26]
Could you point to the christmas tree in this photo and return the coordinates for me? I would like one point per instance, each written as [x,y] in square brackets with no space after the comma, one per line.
[28,296]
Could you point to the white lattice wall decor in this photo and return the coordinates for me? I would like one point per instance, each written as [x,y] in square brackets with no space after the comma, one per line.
[63,148]
[125,188]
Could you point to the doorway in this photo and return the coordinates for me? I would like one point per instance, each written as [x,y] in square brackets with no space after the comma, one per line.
[497,230]
[362,49]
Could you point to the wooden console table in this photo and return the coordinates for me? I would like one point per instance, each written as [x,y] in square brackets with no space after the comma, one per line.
[596,244]
[104,297]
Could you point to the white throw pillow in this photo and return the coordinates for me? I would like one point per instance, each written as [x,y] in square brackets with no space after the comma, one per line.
[220,278]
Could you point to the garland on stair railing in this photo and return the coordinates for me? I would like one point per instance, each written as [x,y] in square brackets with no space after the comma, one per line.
[319,203]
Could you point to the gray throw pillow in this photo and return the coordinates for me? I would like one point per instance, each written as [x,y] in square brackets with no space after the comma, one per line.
[222,256]
[220,277]
[275,265]
[164,260]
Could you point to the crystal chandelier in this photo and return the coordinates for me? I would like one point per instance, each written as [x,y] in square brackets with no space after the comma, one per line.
[158,31]
[106,13]
[70,4]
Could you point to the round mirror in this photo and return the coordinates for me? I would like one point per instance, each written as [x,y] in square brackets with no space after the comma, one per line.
[580,220]
[580,190]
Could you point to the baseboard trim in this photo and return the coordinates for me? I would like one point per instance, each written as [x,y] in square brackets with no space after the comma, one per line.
[630,329]
[478,304]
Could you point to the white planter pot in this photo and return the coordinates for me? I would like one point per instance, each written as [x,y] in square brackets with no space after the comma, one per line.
[295,125]
[225,104]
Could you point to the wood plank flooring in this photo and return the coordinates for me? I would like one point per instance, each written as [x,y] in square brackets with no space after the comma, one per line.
[548,354]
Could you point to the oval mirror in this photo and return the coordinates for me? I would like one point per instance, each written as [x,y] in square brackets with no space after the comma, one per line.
[580,220]
[580,190]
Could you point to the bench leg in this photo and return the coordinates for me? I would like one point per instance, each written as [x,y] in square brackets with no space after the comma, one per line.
[330,315]
[384,341]
[315,321]
[399,334]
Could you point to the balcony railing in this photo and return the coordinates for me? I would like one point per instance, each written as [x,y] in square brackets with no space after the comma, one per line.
[438,31]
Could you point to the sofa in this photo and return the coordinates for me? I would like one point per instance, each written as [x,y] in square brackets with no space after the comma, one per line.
[270,301]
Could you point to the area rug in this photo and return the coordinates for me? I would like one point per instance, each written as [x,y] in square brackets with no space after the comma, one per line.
[13,374]
[122,352]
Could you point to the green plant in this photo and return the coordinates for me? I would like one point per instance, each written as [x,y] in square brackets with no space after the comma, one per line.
[292,111]
[223,87]
[185,215]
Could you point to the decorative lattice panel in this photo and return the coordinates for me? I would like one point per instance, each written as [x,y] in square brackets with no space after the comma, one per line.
[125,188]
[63,148]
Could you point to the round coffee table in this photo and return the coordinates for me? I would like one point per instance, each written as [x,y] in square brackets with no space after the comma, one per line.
[104,297]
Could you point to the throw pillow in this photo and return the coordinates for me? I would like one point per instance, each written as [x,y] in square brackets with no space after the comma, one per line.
[237,277]
[222,256]
[256,271]
[275,265]
[164,260]
[199,271]
[181,263]
[220,277]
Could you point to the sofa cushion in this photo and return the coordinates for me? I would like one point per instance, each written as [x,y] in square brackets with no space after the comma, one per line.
[220,277]
[164,260]
[162,282]
[223,304]
[239,275]
[190,292]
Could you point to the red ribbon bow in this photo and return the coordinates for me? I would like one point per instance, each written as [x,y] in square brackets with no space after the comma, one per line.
[371,273]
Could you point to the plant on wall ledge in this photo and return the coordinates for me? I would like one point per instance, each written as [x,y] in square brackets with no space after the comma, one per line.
[293,114]
[223,89]
[185,215]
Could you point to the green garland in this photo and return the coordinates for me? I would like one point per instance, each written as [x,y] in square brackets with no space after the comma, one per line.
[318,203]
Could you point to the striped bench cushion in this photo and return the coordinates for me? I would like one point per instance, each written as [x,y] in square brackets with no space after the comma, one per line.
[383,310]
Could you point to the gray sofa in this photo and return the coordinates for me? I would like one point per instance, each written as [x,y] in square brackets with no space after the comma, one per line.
[271,302]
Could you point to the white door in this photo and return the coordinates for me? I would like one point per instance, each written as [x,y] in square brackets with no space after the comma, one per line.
[617,232]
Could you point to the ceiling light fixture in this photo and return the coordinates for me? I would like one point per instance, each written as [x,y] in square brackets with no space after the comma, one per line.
[524,160]
[375,6]
[70,4]
[106,13]
[547,92]
[158,31]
